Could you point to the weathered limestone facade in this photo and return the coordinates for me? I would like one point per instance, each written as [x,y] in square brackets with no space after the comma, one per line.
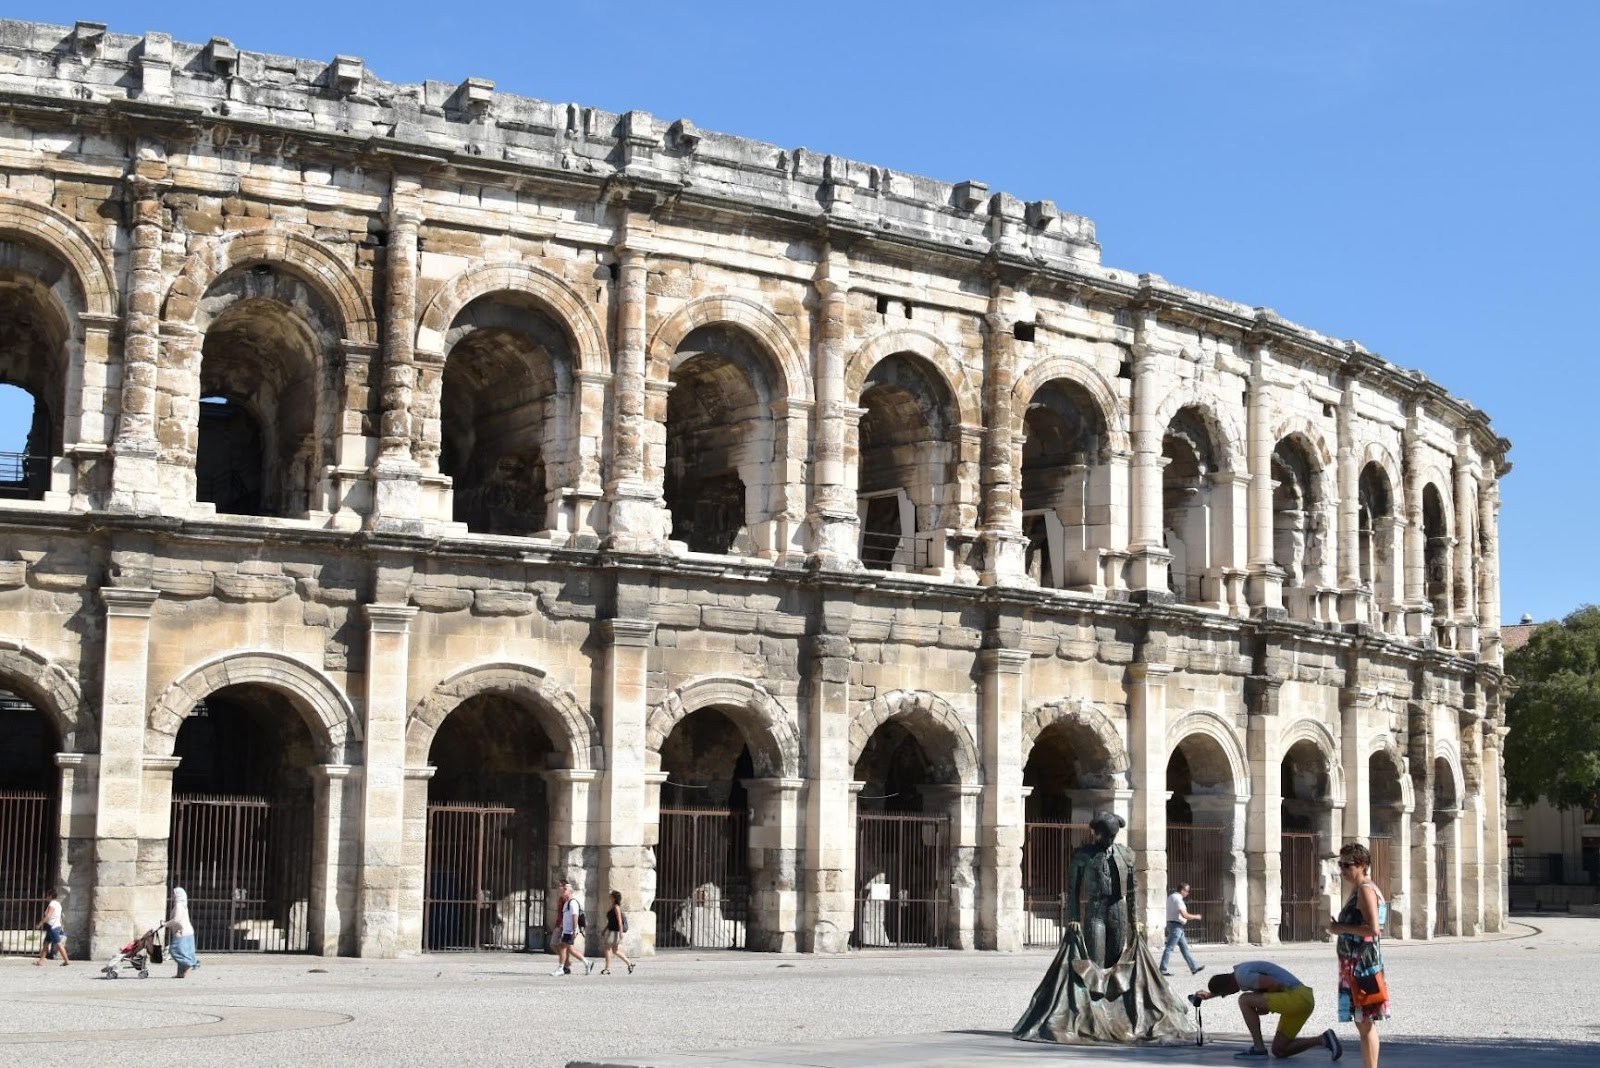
[374,401]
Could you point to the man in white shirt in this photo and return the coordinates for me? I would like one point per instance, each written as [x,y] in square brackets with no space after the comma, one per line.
[570,912]
[1177,917]
[54,938]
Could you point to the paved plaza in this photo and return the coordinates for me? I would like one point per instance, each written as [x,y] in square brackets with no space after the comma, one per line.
[1525,999]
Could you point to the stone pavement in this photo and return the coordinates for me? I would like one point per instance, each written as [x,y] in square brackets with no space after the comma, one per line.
[1523,1000]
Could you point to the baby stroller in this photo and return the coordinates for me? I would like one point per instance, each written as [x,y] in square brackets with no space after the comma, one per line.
[137,956]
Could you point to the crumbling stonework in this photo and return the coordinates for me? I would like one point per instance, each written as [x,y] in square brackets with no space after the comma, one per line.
[392,399]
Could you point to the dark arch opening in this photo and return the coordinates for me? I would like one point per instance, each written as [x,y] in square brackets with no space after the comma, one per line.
[1296,523]
[487,854]
[1063,459]
[1436,551]
[1201,833]
[904,462]
[1186,506]
[33,371]
[241,838]
[703,850]
[30,842]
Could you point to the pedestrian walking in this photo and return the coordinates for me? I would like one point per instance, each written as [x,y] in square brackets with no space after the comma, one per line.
[571,924]
[180,934]
[1177,916]
[611,937]
[1363,988]
[55,939]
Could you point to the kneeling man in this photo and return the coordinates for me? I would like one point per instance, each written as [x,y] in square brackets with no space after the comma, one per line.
[1267,989]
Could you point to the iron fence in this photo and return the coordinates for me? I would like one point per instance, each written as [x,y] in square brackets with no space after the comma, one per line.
[702,879]
[484,885]
[1047,850]
[28,849]
[1199,856]
[903,880]
[246,864]
[1302,918]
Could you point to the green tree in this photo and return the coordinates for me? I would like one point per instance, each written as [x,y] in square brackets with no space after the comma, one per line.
[1553,748]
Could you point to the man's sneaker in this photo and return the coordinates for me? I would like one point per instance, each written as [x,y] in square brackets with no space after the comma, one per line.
[559,971]
[588,966]
[1197,969]
[1331,1040]
[1250,1054]
[1166,973]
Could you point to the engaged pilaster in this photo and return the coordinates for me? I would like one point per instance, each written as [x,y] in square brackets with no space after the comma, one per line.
[626,859]
[829,860]
[383,779]
[396,476]
[1001,908]
[135,477]
[835,525]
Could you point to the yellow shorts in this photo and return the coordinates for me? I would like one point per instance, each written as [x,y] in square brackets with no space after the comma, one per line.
[1293,1008]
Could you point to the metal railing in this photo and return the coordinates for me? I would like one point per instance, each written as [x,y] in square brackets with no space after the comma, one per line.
[483,887]
[28,844]
[1047,850]
[1302,905]
[23,476]
[903,881]
[246,864]
[702,879]
[1198,856]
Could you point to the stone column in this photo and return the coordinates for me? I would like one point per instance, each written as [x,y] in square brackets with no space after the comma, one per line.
[1265,821]
[960,801]
[89,424]
[1494,829]
[1401,903]
[626,860]
[1001,914]
[155,830]
[774,846]
[396,476]
[829,862]
[1355,710]
[333,875]
[383,778]
[1489,565]
[636,512]
[1355,604]
[122,900]
[835,526]
[413,857]
[1004,550]
[135,479]
[1147,755]
[570,795]
[1466,549]
[1148,545]
[1423,894]
[1264,587]
[1418,612]
[75,825]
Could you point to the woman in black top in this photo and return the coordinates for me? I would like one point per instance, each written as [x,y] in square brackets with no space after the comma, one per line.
[616,926]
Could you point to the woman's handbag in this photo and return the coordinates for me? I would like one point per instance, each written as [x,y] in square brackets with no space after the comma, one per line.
[1370,988]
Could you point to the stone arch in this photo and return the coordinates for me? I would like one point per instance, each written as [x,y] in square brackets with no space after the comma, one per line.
[1221,419]
[927,714]
[330,276]
[554,706]
[1446,751]
[968,403]
[1081,374]
[1298,428]
[52,689]
[323,706]
[768,330]
[1318,734]
[1080,712]
[1377,453]
[1443,485]
[560,300]
[1382,741]
[768,728]
[1221,731]
[38,225]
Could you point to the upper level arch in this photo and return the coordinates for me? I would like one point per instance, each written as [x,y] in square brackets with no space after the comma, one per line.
[1223,422]
[1224,736]
[1086,377]
[91,274]
[1321,737]
[936,725]
[558,299]
[768,729]
[324,272]
[964,394]
[774,340]
[1082,713]
[324,707]
[565,720]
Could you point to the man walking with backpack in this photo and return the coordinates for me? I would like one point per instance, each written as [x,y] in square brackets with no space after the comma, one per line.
[572,924]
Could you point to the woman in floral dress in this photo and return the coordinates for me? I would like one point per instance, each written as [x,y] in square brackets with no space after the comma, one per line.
[1360,924]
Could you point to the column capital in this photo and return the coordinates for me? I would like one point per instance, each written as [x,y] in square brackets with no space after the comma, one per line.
[784,786]
[422,774]
[389,618]
[132,603]
[330,772]
[1004,661]
[629,632]
[1149,672]
[572,775]
[77,760]
[162,764]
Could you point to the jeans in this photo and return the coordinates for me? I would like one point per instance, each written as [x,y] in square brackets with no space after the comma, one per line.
[1177,937]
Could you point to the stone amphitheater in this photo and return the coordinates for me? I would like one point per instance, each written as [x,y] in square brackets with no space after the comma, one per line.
[432,493]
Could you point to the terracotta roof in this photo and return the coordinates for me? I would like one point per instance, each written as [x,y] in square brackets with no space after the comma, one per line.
[1515,636]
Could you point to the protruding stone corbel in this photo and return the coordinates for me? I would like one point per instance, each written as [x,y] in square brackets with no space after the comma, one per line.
[155,67]
[346,72]
[685,135]
[88,37]
[475,96]
[970,195]
[221,58]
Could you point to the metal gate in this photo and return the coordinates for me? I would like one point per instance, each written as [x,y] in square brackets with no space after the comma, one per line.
[28,842]
[1381,846]
[1046,855]
[1441,894]
[1302,906]
[246,864]
[1197,856]
[483,884]
[702,879]
[902,881]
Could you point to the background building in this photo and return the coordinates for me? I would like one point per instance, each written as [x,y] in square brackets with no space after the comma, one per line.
[433,491]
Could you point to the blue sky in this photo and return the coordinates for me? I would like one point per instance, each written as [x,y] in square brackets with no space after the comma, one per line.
[1420,175]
